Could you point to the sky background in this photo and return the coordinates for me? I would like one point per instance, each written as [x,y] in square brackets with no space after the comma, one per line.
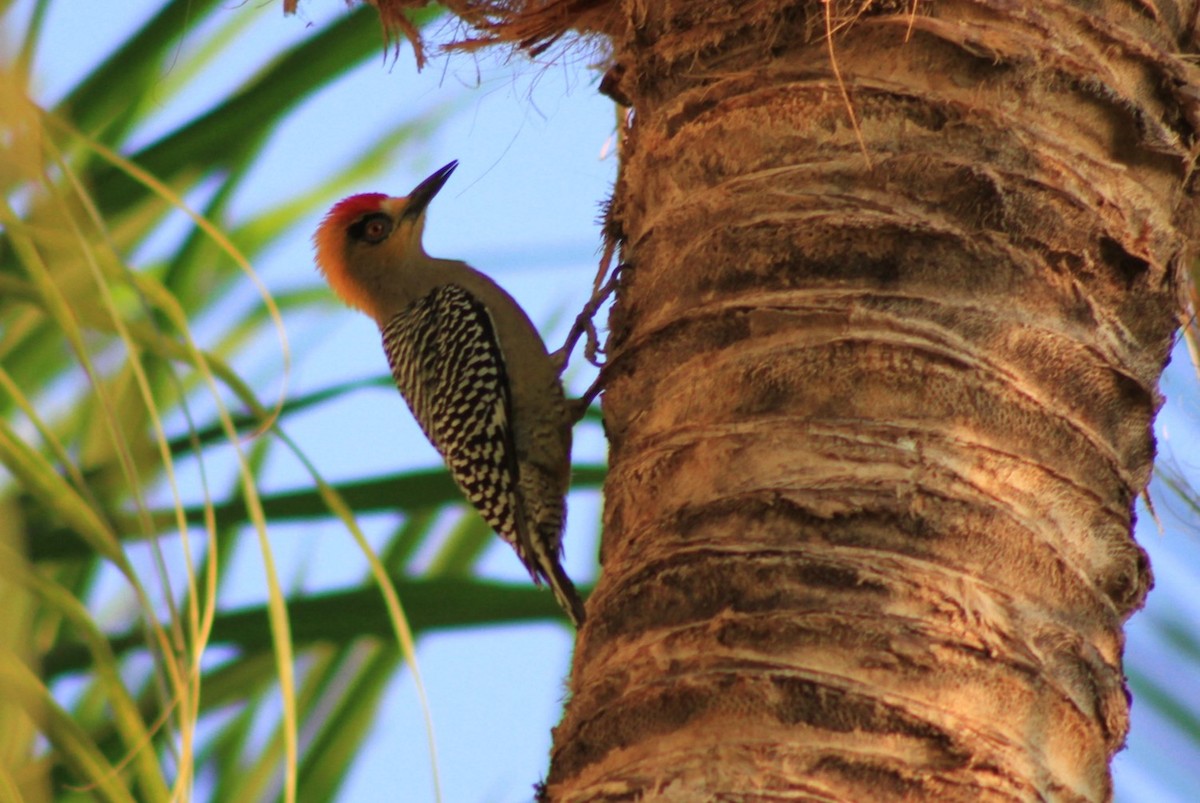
[523,206]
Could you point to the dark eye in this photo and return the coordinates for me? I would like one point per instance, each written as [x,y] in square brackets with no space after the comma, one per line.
[372,228]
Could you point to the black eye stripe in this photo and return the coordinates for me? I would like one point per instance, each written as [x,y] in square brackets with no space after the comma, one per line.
[371,228]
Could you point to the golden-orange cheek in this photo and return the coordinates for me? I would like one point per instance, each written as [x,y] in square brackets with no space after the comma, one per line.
[350,291]
[331,260]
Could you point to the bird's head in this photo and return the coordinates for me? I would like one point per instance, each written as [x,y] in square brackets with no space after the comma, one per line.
[365,240]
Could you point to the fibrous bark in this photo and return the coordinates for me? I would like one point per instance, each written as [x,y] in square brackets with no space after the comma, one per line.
[883,372]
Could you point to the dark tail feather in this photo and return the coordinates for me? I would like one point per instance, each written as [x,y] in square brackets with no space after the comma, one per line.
[565,594]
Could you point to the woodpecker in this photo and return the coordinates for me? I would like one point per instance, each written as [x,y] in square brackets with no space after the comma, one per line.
[471,366]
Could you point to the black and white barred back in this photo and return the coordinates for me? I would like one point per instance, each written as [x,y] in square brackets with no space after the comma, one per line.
[447,363]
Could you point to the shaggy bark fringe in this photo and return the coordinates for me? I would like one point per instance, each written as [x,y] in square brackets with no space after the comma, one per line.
[530,25]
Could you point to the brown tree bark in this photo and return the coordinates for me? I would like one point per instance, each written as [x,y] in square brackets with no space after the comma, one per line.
[880,396]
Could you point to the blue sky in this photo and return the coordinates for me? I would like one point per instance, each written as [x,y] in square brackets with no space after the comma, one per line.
[522,206]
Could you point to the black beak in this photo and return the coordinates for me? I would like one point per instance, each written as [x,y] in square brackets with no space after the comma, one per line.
[420,197]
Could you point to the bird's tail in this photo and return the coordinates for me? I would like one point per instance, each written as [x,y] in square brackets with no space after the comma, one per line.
[564,592]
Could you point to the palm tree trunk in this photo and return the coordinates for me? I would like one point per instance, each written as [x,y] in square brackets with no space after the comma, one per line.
[883,373]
